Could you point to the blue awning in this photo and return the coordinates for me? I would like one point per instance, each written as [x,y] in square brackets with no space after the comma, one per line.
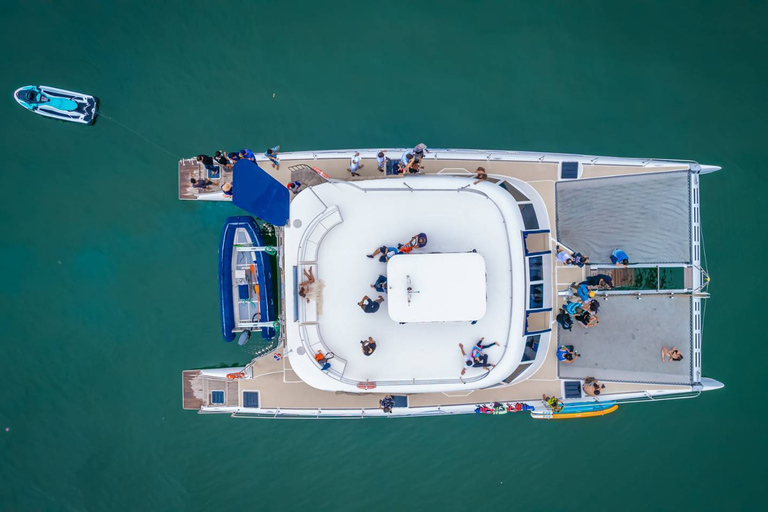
[260,194]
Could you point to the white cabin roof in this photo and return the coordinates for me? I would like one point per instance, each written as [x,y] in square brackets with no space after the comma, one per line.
[436,287]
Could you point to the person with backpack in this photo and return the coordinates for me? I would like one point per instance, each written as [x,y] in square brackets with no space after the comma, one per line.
[564,319]
[619,258]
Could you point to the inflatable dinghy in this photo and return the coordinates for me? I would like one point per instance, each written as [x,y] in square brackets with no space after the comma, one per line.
[57,103]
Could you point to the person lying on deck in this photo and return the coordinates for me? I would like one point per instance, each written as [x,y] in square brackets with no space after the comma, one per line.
[368,345]
[672,354]
[592,387]
[370,306]
[599,281]
[619,258]
[201,184]
[481,361]
[312,289]
[385,252]
[566,354]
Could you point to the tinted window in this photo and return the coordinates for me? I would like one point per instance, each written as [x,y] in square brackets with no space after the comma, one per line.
[537,296]
[536,268]
[529,216]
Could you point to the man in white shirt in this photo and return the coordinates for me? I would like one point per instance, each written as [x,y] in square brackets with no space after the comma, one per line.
[355,165]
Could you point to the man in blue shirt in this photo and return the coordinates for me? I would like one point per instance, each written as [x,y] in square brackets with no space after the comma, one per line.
[619,257]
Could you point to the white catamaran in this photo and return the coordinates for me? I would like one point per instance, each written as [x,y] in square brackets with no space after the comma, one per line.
[471,285]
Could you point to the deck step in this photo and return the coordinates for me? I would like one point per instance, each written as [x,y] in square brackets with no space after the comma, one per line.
[572,389]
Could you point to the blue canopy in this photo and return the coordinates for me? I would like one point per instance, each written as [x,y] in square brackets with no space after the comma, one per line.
[260,194]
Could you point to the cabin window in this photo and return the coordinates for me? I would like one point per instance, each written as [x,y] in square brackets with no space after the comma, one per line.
[217,397]
[531,348]
[536,268]
[536,296]
[530,221]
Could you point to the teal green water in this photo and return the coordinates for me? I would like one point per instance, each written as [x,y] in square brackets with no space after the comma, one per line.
[109,285]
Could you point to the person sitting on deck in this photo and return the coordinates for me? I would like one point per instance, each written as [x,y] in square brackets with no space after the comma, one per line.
[322,359]
[387,404]
[272,156]
[672,354]
[481,175]
[411,164]
[587,319]
[563,256]
[370,306]
[227,189]
[369,346]
[566,354]
[355,165]
[233,157]
[381,284]
[620,258]
[385,252]
[592,387]
[564,319]
[417,241]
[201,184]
[294,187]
[600,281]
[381,160]
[553,403]
[418,152]
[221,158]
[247,154]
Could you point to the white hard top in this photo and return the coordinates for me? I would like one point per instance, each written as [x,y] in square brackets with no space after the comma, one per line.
[334,226]
[443,287]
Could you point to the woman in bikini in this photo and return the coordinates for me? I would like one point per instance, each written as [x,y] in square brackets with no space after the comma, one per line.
[672,354]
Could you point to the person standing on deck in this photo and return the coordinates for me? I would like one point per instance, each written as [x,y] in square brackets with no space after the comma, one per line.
[355,165]
[272,155]
[381,161]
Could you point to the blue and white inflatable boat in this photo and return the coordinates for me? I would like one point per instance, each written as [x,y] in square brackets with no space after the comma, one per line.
[57,103]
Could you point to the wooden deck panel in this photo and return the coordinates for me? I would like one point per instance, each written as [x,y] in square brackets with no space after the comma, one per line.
[192,398]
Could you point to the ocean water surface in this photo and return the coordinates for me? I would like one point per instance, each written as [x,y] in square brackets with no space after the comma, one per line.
[109,291]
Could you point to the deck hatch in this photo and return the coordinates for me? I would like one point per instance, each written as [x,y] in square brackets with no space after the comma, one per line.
[251,399]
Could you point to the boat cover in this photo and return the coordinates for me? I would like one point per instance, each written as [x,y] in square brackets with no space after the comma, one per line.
[260,194]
